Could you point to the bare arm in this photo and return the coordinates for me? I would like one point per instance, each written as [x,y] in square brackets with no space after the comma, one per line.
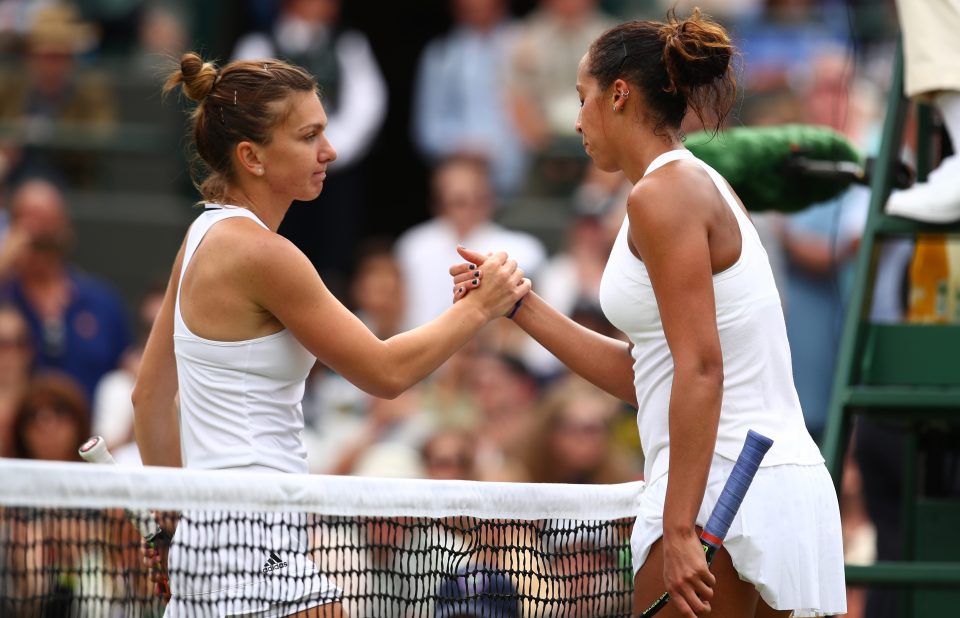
[285,283]
[601,360]
[156,422]
[672,239]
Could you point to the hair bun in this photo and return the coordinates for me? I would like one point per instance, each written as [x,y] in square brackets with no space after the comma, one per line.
[195,76]
[696,52]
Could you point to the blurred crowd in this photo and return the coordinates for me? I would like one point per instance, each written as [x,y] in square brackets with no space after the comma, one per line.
[491,120]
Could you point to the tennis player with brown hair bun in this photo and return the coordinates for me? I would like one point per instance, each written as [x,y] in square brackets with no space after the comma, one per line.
[690,285]
[244,319]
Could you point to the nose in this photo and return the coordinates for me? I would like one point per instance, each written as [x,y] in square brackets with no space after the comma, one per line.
[577,126]
[327,152]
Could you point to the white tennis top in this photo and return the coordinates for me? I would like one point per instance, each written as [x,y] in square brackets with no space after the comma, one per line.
[240,401]
[758,389]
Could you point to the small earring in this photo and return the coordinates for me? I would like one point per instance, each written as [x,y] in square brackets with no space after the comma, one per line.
[260,171]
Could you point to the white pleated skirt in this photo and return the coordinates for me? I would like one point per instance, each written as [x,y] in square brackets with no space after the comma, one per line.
[785,540]
[255,565]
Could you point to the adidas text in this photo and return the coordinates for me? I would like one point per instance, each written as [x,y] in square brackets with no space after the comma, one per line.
[273,563]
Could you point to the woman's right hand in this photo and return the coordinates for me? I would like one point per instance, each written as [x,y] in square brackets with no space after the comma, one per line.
[504,283]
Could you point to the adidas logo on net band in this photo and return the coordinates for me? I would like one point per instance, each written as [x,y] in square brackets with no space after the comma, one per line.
[273,563]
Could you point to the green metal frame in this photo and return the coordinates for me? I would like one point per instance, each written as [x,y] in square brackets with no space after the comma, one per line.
[885,371]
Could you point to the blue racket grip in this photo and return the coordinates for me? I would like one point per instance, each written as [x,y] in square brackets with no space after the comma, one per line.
[754,449]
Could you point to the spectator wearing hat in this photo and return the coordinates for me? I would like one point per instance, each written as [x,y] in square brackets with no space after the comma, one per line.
[52,96]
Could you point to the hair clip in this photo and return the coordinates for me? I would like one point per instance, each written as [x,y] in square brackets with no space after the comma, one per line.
[234,98]
[265,66]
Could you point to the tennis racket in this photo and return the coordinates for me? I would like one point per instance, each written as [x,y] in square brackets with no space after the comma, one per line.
[95,450]
[731,496]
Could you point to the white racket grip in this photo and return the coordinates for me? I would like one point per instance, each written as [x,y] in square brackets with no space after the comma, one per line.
[95,450]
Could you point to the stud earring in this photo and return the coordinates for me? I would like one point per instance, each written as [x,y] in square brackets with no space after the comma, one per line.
[260,171]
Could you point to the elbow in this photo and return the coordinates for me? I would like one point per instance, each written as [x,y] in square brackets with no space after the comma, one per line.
[705,373]
[390,386]
[137,396]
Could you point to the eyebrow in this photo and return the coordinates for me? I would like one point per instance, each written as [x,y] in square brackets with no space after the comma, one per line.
[320,126]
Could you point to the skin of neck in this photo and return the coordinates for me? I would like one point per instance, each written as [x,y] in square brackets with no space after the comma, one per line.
[639,140]
[255,195]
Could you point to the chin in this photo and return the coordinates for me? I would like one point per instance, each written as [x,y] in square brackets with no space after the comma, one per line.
[309,196]
[606,166]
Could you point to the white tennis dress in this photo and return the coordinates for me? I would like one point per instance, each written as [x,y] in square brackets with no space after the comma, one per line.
[240,408]
[786,538]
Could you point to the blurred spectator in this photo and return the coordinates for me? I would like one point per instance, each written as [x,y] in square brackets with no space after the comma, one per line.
[383,443]
[463,208]
[820,243]
[163,35]
[570,280]
[117,20]
[506,393]
[446,395]
[587,560]
[343,421]
[573,438]
[460,101]
[309,34]
[16,361]
[52,421]
[477,594]
[52,95]
[552,40]
[112,406]
[77,322]
[727,11]
[377,291]
[785,37]
[448,454]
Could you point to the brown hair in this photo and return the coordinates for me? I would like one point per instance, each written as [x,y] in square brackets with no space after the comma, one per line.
[234,104]
[51,389]
[677,64]
[541,457]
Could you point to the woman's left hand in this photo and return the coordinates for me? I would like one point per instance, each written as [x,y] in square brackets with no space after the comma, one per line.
[465,278]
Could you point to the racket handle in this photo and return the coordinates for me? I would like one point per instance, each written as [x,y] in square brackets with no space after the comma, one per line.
[754,449]
[731,496]
[95,450]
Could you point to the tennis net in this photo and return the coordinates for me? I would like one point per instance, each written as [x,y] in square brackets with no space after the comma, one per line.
[272,544]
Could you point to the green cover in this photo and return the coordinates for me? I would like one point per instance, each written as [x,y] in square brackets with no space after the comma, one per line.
[752,161]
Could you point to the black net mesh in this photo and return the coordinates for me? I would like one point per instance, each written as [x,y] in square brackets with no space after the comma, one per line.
[91,562]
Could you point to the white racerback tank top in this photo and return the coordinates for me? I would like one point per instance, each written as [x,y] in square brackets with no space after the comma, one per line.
[240,401]
[758,389]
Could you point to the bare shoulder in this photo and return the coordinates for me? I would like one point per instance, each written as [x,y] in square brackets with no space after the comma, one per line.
[251,247]
[674,196]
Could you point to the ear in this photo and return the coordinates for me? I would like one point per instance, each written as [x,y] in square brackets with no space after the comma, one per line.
[248,158]
[620,89]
